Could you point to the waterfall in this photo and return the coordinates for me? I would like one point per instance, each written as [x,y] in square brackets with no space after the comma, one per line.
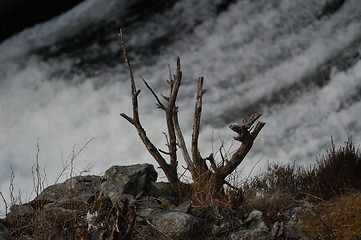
[64,82]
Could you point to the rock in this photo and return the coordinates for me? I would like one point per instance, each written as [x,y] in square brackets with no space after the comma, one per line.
[80,187]
[20,210]
[255,228]
[149,213]
[255,219]
[292,227]
[128,180]
[221,227]
[249,235]
[148,202]
[179,225]
[277,230]
[205,212]
[60,216]
[161,189]
[183,208]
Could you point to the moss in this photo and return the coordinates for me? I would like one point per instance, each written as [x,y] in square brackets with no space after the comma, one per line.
[339,218]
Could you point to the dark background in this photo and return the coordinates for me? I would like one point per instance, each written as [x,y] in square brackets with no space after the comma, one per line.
[16,15]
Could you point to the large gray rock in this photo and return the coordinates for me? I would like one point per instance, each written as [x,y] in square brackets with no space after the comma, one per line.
[128,180]
[81,187]
[179,225]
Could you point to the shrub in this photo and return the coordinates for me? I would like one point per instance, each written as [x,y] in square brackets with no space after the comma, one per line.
[335,173]
[338,171]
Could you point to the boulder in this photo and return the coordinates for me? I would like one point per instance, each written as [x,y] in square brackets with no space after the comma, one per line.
[80,187]
[127,180]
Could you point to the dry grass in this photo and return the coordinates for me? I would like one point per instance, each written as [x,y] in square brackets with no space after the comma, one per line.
[339,218]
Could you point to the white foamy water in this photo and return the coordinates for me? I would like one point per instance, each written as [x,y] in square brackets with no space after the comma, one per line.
[256,56]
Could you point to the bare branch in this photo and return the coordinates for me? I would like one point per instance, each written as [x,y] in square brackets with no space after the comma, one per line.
[162,151]
[230,185]
[248,122]
[170,170]
[198,162]
[170,72]
[246,138]
[129,119]
[160,105]
[72,159]
[171,111]
[220,151]
[242,129]
[135,92]
[257,129]
[210,158]
[176,82]
[165,97]
[166,139]
[182,144]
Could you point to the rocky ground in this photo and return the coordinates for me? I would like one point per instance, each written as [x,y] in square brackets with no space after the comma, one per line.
[128,203]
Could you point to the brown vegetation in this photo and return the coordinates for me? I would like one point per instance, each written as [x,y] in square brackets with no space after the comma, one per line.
[335,173]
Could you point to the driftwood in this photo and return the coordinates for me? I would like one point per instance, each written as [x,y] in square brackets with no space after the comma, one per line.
[208,180]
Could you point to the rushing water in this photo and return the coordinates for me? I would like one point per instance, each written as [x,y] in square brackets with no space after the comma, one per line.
[63,82]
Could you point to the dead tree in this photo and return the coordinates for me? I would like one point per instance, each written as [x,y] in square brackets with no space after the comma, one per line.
[209,179]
